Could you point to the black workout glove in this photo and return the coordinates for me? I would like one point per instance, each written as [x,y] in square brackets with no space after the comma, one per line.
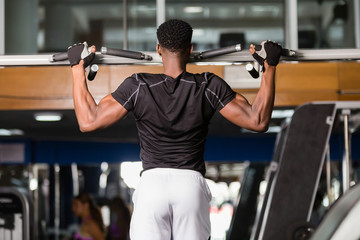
[80,51]
[270,51]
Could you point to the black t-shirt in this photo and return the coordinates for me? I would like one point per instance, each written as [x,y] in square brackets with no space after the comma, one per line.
[172,115]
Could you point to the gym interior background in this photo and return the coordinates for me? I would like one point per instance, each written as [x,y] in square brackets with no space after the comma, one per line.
[52,160]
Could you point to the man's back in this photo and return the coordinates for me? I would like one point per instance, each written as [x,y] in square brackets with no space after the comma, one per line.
[173,115]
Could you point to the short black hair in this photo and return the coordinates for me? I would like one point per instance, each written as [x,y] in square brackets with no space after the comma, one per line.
[175,35]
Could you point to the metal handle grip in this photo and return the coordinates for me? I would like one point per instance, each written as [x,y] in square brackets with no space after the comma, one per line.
[220,51]
[252,70]
[59,57]
[284,52]
[92,72]
[125,53]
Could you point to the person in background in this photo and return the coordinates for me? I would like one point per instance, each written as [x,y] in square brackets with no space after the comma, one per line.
[92,226]
[120,220]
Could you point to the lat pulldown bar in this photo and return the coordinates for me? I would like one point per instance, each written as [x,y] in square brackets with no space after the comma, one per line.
[106,51]
[216,52]
[234,57]
[125,53]
[142,56]
[57,57]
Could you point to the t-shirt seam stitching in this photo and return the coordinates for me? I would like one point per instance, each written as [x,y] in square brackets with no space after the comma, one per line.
[219,100]
[158,83]
[207,97]
[137,92]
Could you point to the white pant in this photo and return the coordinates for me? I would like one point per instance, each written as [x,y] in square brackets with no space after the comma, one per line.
[171,204]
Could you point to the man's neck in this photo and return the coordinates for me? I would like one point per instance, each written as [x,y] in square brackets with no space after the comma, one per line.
[174,69]
[174,65]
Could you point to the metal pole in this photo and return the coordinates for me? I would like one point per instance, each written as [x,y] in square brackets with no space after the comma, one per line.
[357,23]
[328,174]
[57,201]
[35,171]
[346,157]
[291,24]
[75,177]
[160,12]
[2,27]
[125,25]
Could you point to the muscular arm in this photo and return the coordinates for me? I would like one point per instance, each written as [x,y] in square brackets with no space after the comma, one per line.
[92,116]
[254,116]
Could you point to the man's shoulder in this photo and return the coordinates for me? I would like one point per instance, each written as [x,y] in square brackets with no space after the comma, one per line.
[147,78]
[204,76]
[208,78]
[148,75]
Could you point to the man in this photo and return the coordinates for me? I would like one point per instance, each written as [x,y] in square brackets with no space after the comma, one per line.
[172,112]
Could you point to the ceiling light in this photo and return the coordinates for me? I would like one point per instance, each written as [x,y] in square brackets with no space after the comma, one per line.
[193,9]
[5,132]
[11,132]
[47,116]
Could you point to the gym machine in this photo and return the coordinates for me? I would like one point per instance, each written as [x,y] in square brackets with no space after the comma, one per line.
[225,55]
[294,153]
[293,176]
[232,54]
[245,208]
[16,214]
[342,220]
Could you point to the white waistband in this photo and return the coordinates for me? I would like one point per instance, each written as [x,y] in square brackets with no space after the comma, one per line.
[170,171]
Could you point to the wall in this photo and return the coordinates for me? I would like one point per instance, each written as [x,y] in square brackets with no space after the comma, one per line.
[296,83]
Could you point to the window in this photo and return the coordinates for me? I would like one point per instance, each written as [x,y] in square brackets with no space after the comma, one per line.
[217,24]
[35,26]
[326,24]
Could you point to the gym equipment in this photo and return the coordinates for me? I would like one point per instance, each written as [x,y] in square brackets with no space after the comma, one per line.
[246,205]
[284,52]
[254,68]
[294,173]
[142,56]
[225,55]
[92,71]
[342,220]
[235,57]
[270,175]
[125,53]
[346,166]
[216,52]
[16,214]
